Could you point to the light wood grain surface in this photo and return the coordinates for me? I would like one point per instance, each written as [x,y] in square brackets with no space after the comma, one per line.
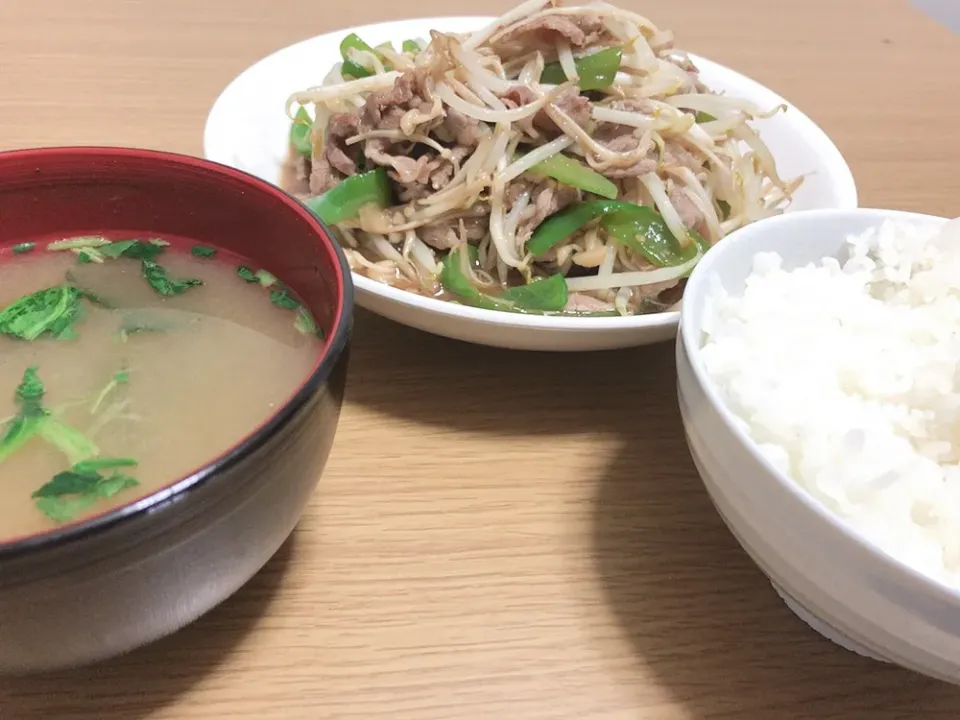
[497,534]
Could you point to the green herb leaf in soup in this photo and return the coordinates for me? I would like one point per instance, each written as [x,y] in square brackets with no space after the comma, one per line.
[105,463]
[133,250]
[19,431]
[261,277]
[247,274]
[116,249]
[30,416]
[160,280]
[53,311]
[203,251]
[29,393]
[34,419]
[69,482]
[22,248]
[283,299]
[72,491]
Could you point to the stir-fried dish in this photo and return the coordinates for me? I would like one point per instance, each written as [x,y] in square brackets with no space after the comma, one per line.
[563,159]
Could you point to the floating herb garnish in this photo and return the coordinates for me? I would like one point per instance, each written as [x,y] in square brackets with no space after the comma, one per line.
[54,311]
[282,299]
[72,491]
[21,248]
[33,419]
[76,489]
[30,414]
[160,280]
[203,251]
[132,250]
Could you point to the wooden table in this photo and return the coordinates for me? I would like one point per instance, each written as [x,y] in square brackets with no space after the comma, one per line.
[498,534]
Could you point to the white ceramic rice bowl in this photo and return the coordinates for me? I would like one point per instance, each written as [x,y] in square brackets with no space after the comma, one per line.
[840,584]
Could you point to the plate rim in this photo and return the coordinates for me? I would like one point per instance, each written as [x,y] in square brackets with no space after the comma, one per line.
[845,181]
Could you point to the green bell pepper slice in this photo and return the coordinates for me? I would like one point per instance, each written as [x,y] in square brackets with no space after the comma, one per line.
[577,175]
[596,71]
[351,68]
[343,201]
[547,294]
[541,296]
[300,132]
[559,226]
[644,231]
[639,227]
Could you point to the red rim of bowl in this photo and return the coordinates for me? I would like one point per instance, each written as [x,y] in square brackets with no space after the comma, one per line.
[336,343]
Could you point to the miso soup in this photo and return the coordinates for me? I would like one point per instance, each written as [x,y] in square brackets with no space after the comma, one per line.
[127,364]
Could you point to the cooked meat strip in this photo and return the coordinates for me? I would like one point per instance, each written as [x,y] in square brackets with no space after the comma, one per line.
[542,33]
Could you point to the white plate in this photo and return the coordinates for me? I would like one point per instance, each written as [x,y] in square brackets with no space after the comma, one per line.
[248,129]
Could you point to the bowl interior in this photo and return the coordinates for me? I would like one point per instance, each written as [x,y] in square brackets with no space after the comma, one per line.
[81,191]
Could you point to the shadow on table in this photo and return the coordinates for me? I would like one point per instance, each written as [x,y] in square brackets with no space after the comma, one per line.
[138,684]
[715,633]
[469,392]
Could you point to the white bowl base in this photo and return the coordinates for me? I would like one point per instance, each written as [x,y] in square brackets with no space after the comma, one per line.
[824,629]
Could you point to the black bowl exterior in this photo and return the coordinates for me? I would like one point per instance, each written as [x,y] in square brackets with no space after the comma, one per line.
[135,581]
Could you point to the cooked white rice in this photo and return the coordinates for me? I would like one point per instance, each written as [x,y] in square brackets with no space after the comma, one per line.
[846,375]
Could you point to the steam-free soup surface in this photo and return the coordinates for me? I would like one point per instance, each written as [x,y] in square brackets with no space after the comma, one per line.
[190,376]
